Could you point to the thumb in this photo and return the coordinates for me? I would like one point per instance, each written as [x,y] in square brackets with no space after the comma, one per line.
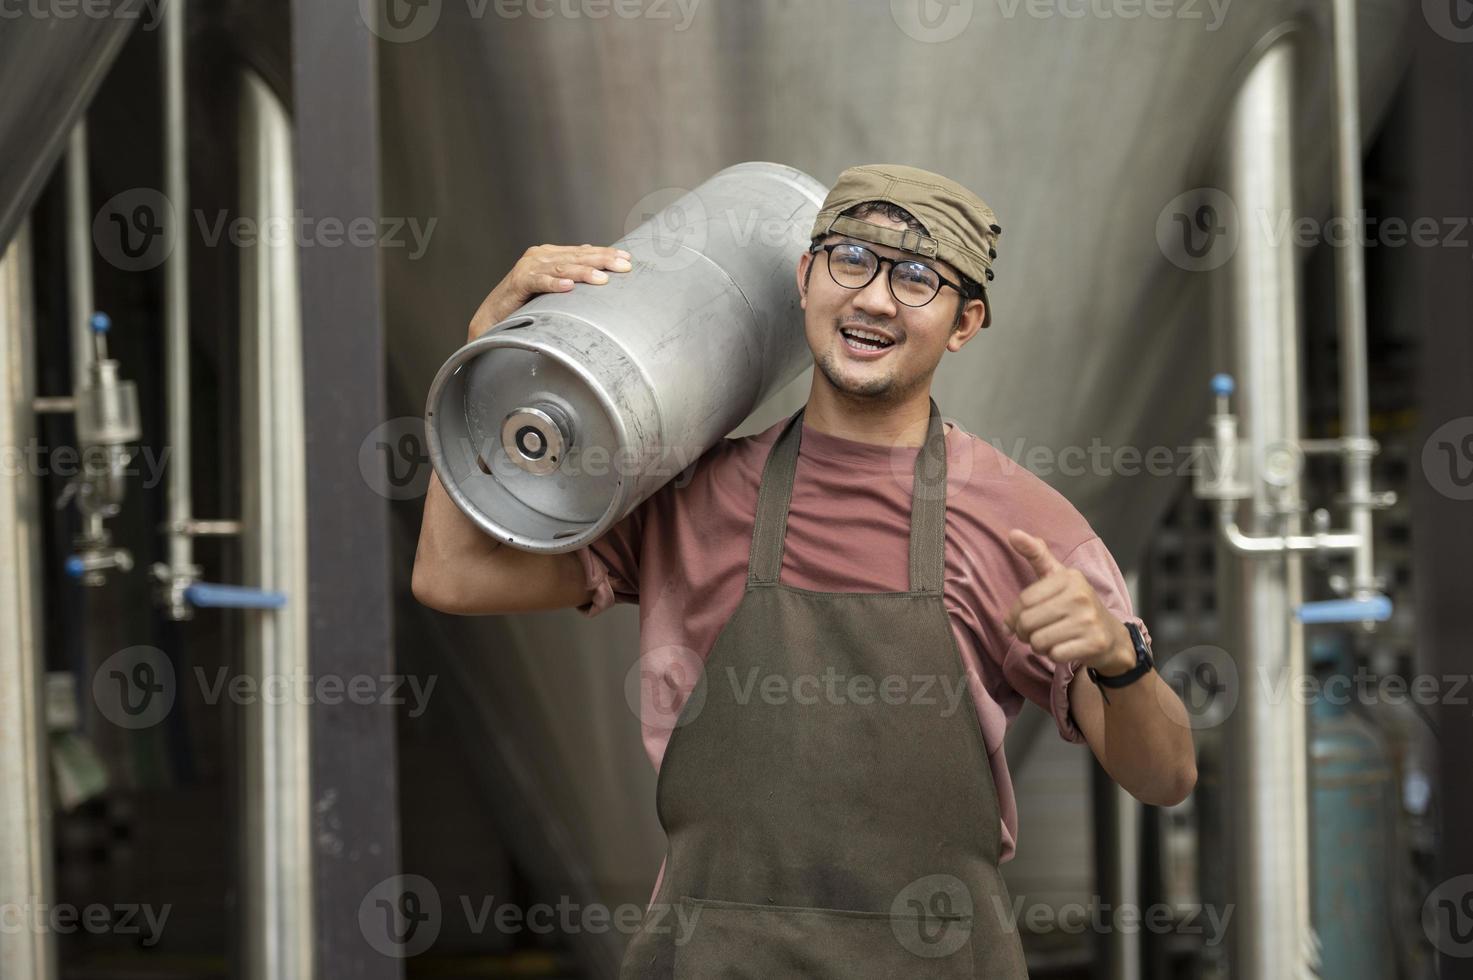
[1033,549]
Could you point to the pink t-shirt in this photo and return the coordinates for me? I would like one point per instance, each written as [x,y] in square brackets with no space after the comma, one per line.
[682,555]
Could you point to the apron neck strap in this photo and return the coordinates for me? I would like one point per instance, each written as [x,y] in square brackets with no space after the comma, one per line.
[927,507]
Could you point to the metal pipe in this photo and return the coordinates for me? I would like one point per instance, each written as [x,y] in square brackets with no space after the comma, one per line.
[217,595]
[198,527]
[1245,544]
[1117,862]
[1350,282]
[54,404]
[80,301]
[104,406]
[79,255]
[176,314]
[1268,768]
[25,794]
[277,869]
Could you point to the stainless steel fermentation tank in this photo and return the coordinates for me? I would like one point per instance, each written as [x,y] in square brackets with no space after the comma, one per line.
[555,423]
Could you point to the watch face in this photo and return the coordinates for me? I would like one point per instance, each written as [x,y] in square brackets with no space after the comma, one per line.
[1142,650]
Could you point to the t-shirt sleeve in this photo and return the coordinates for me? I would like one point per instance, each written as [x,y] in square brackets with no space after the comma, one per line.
[1046,683]
[611,564]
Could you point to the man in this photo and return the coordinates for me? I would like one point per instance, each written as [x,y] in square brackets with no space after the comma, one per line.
[839,618]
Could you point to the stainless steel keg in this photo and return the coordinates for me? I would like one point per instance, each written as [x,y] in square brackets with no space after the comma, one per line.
[560,420]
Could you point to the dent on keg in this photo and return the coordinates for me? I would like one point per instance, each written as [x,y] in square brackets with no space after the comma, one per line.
[557,422]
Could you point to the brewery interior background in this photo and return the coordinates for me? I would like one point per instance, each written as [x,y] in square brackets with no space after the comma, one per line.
[213,487]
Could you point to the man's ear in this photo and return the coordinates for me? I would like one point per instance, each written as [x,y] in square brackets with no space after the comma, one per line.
[968,325]
[805,262]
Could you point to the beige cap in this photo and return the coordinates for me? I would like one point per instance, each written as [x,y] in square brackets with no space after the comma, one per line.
[961,228]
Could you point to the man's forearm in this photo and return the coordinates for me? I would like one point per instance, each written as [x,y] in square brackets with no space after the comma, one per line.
[1148,740]
[447,537]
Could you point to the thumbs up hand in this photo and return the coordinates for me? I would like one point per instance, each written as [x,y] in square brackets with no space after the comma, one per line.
[1062,617]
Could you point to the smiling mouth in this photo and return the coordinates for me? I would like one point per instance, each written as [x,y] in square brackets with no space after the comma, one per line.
[868,341]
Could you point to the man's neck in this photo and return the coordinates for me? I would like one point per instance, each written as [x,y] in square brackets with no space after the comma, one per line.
[886,423]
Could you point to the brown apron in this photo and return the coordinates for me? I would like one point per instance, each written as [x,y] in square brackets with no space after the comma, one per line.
[829,806]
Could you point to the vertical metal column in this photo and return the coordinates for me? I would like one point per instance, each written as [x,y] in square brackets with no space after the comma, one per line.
[26,953]
[277,914]
[1117,836]
[1350,298]
[355,781]
[79,254]
[181,568]
[1267,764]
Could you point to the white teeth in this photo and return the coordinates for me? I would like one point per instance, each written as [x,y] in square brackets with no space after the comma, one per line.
[864,345]
[867,335]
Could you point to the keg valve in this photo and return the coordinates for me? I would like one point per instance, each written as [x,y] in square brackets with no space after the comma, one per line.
[536,437]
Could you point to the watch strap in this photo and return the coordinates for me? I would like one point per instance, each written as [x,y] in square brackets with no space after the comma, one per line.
[1143,664]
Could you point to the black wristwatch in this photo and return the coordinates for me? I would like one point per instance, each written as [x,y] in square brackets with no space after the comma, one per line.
[1143,663]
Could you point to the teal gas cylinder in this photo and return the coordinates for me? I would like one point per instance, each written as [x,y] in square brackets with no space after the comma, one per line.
[1351,809]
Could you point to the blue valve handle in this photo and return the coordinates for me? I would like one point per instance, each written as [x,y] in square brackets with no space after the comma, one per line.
[214,595]
[1375,608]
[1223,385]
[101,322]
[75,566]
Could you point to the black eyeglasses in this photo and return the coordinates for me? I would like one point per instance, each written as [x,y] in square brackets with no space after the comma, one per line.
[911,283]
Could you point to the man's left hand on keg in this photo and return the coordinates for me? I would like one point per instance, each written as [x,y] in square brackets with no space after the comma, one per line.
[546,269]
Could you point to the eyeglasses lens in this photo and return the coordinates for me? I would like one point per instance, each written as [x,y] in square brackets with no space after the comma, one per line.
[911,283]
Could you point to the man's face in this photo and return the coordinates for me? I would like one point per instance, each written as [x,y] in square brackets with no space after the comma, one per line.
[919,335]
